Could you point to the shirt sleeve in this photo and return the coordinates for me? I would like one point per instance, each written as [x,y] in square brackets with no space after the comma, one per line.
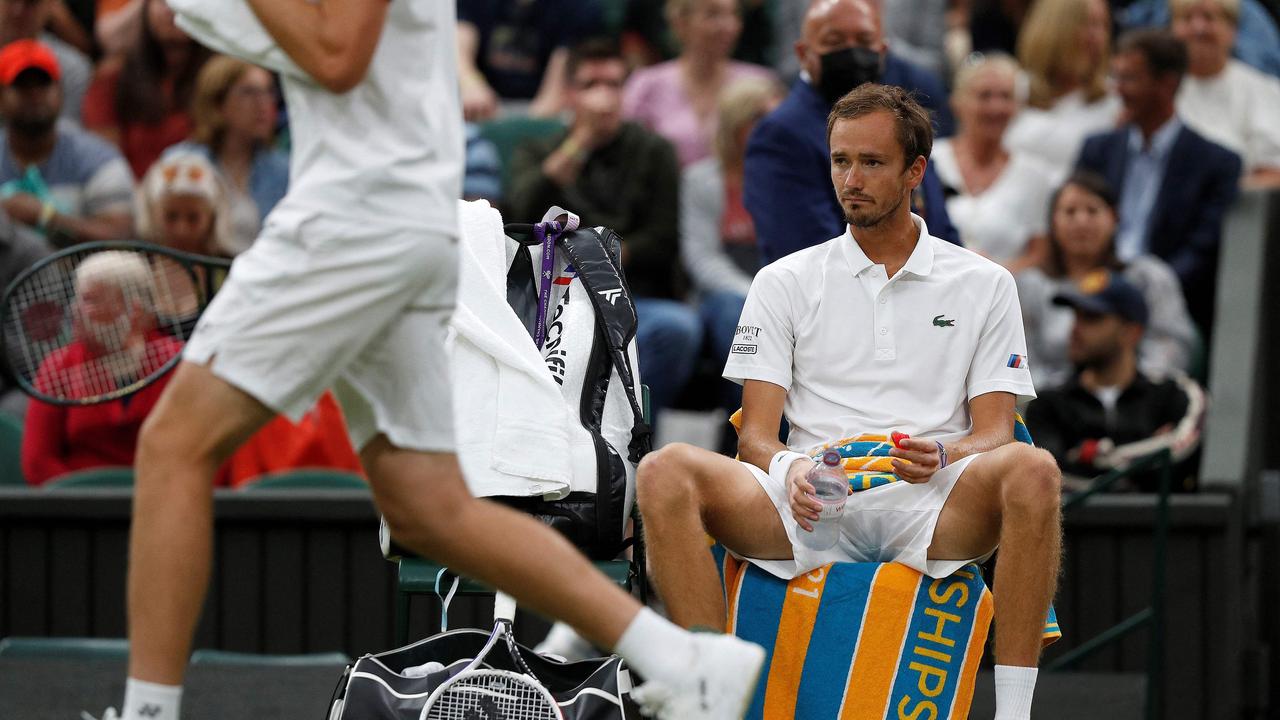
[1000,363]
[1262,145]
[109,189]
[764,343]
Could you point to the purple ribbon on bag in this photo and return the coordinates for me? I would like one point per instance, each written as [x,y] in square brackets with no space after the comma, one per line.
[547,233]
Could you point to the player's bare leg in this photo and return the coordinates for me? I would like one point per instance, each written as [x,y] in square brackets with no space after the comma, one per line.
[198,422]
[1010,495]
[686,493]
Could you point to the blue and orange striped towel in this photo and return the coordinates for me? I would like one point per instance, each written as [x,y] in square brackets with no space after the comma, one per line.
[863,641]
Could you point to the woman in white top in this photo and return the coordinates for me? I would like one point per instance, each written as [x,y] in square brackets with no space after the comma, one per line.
[1064,47]
[997,199]
[1081,243]
[1224,99]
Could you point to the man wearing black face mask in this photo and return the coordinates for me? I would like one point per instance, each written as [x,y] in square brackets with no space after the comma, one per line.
[57,179]
[787,184]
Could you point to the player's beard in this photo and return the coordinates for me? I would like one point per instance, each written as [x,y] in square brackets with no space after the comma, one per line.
[869,218]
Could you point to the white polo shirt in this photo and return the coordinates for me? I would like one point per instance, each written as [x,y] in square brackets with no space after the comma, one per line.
[858,351]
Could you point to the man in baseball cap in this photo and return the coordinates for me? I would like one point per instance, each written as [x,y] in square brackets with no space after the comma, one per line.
[57,179]
[20,56]
[1110,412]
[1106,293]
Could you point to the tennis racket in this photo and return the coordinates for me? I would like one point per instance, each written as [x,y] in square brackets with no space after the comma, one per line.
[479,692]
[100,321]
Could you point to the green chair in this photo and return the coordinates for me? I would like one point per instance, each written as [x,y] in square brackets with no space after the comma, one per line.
[64,648]
[418,576]
[103,477]
[511,132]
[224,657]
[308,479]
[10,450]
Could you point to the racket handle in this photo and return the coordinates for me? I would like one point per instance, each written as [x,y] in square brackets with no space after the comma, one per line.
[504,608]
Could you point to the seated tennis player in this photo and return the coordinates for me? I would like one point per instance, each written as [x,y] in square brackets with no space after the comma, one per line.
[352,284]
[882,328]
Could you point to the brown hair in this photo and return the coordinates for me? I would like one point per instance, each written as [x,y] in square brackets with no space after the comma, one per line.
[1096,185]
[913,126]
[213,83]
[140,94]
[594,49]
[1164,54]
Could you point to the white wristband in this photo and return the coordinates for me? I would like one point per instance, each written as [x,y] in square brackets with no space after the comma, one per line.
[781,463]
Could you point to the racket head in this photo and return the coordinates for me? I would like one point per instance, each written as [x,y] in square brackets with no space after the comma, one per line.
[490,693]
[100,321]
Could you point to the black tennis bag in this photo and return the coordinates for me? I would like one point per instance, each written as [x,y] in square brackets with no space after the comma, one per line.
[589,349]
[593,522]
[377,687]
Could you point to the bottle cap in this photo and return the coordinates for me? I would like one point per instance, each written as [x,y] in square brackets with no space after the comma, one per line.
[831,457]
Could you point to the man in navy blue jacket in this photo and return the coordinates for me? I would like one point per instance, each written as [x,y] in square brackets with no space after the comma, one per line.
[787,177]
[1174,186]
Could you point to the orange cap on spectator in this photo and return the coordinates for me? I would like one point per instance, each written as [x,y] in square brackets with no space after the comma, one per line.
[21,55]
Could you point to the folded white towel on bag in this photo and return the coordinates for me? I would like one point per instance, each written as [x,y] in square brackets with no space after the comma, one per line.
[511,422]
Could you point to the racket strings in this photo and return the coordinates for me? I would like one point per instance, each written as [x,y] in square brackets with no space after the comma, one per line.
[493,695]
[67,353]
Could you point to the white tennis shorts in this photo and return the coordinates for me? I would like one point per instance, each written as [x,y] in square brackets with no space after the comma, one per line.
[891,523]
[321,301]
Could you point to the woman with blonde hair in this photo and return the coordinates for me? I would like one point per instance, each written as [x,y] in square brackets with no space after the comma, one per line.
[1064,47]
[678,98]
[997,199]
[234,111]
[182,204]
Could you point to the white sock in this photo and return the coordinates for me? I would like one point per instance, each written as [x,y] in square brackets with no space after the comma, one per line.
[656,647]
[1014,688]
[150,701]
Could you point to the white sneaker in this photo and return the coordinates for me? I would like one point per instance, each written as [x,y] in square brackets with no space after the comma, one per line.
[565,644]
[718,686]
[110,714]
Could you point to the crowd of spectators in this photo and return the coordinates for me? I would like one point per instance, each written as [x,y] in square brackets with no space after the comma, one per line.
[1075,137]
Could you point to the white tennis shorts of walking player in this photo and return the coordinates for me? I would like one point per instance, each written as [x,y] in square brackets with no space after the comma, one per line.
[320,301]
[891,523]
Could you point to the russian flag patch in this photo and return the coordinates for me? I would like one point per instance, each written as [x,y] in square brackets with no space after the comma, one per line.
[1017,361]
[566,277]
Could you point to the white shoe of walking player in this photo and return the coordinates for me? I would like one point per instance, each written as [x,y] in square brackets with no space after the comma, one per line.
[719,684]
[110,714]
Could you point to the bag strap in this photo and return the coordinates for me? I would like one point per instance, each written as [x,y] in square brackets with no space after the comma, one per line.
[615,316]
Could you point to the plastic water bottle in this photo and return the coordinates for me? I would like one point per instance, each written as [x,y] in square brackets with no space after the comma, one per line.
[832,488]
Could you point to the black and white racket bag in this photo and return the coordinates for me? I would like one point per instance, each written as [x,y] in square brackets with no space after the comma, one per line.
[589,348]
[440,678]
[584,323]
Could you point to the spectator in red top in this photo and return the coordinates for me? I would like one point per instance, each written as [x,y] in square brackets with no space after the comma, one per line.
[140,100]
[114,327]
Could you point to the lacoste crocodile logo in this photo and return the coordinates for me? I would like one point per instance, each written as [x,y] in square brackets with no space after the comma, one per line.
[943,322]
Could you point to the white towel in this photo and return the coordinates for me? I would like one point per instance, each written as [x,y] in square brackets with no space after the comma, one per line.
[511,421]
[230,27]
